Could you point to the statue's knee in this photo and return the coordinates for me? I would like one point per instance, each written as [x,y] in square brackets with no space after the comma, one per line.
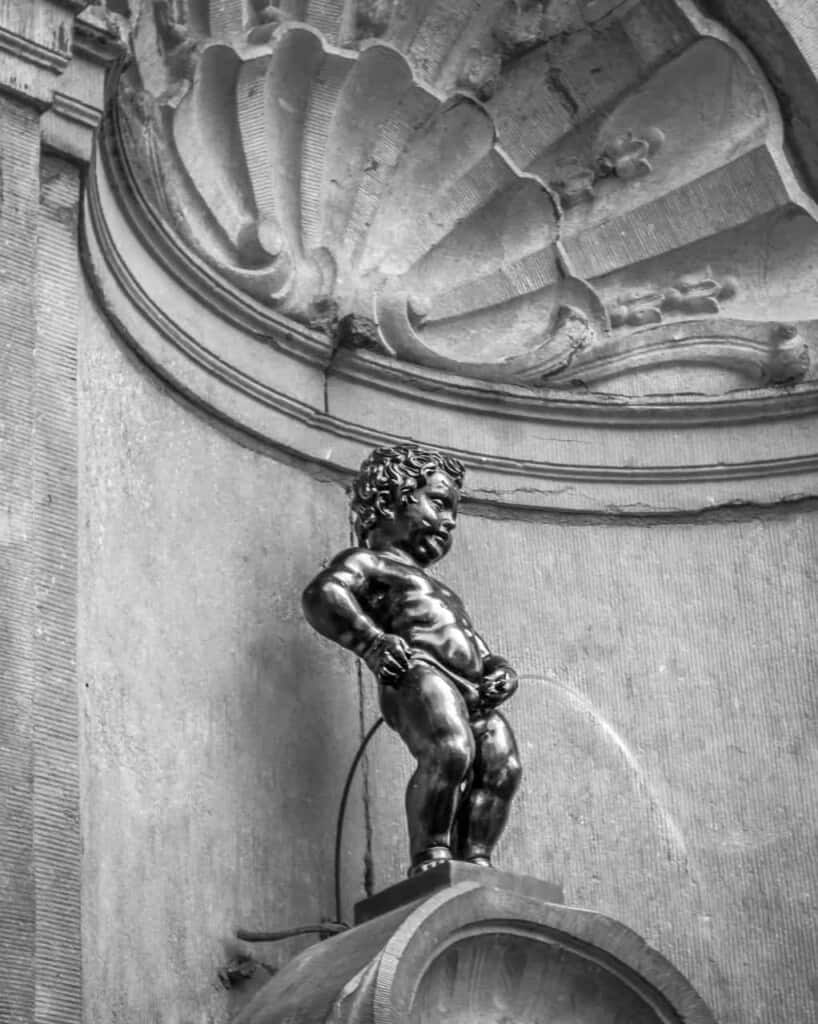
[514,771]
[453,758]
[504,779]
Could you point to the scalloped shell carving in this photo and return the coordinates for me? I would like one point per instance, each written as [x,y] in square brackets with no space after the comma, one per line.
[543,193]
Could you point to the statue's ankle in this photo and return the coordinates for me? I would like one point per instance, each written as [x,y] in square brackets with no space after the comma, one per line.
[478,854]
[481,861]
[430,858]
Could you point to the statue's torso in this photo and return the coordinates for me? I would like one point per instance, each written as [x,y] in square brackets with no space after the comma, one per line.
[404,600]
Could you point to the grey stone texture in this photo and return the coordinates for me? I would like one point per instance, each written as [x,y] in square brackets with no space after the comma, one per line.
[558,194]
[593,281]
[52,64]
[215,731]
[665,721]
[18,214]
[39,832]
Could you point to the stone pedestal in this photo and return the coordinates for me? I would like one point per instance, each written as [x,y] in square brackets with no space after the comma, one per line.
[421,887]
[465,944]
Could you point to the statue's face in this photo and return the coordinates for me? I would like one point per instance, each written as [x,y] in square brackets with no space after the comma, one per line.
[423,527]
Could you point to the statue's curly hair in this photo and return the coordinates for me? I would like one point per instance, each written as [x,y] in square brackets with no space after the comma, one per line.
[388,478]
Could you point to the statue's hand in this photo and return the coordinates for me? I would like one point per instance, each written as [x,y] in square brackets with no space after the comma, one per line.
[387,657]
[499,683]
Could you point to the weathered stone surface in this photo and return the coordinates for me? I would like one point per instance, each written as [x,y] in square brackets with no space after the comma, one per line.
[18,561]
[215,732]
[664,718]
[57,850]
[665,725]
[618,231]
[448,874]
[616,179]
[53,56]
[52,65]
[672,671]
[295,389]
[783,34]
[39,832]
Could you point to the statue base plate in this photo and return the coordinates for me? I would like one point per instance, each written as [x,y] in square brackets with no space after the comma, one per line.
[449,874]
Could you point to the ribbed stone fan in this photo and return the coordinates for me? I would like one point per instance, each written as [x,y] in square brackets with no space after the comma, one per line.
[541,192]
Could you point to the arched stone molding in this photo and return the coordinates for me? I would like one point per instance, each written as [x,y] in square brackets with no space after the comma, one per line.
[783,35]
[480,951]
[599,340]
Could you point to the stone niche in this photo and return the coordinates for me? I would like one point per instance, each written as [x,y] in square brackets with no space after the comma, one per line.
[485,948]
[574,243]
[335,224]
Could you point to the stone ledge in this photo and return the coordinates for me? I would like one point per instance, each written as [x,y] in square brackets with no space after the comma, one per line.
[56,61]
[33,52]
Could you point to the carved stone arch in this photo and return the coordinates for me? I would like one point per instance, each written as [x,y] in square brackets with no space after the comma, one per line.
[484,226]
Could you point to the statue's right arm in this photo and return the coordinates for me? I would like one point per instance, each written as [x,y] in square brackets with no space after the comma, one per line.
[331,604]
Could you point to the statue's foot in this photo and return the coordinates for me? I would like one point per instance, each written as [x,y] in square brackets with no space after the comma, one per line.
[431,858]
[477,853]
[480,861]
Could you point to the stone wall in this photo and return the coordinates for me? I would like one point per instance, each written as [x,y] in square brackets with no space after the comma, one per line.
[151,568]
[215,727]
[664,716]
[665,721]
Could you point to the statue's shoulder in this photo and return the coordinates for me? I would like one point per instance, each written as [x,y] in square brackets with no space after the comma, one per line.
[355,560]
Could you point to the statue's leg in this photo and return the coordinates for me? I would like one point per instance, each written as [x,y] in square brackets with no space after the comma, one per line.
[431,718]
[496,777]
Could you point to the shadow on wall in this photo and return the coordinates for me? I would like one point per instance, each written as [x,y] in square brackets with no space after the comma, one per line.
[297,732]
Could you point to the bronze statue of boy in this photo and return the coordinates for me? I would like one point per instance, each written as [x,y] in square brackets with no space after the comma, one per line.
[439,684]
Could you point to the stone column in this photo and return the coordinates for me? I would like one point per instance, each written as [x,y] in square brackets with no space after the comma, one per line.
[52,63]
[18,217]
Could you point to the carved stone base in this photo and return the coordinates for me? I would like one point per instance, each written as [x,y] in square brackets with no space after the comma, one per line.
[483,947]
[447,875]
